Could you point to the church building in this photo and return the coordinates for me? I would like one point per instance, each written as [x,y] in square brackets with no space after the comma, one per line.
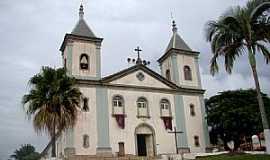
[135,111]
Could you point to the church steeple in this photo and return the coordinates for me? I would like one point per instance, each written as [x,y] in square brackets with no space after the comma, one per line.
[81,51]
[176,41]
[81,28]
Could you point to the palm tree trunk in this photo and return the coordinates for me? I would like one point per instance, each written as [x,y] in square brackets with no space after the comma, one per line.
[54,141]
[252,62]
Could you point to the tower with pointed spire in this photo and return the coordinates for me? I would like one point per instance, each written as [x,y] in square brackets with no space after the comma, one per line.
[179,63]
[81,51]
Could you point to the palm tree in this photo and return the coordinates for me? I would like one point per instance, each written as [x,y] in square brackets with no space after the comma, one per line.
[26,152]
[242,30]
[52,102]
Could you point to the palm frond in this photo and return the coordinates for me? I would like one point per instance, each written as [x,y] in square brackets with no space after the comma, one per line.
[214,65]
[265,51]
[255,8]
[53,99]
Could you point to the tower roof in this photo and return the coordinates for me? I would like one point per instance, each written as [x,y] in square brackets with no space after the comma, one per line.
[81,28]
[176,41]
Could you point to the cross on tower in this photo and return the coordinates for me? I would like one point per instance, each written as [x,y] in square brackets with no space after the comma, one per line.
[175,132]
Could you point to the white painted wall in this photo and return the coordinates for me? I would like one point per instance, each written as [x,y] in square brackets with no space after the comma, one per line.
[183,60]
[167,64]
[194,123]
[148,81]
[89,49]
[87,124]
[78,48]
[127,135]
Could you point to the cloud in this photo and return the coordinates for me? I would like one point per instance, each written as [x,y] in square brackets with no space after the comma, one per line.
[32,31]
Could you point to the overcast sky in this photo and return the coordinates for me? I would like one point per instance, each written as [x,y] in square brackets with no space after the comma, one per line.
[32,31]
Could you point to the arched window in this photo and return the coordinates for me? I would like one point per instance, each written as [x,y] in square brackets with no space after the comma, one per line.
[168,74]
[65,63]
[142,106]
[192,109]
[165,112]
[84,62]
[196,141]
[165,108]
[187,73]
[85,141]
[85,106]
[118,105]
[118,109]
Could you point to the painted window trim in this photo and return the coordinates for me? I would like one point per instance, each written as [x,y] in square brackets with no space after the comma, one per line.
[123,104]
[147,107]
[170,107]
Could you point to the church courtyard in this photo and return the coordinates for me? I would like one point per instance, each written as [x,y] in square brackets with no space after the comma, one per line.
[235,157]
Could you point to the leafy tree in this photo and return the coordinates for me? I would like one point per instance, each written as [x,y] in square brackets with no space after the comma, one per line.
[235,114]
[52,102]
[242,30]
[26,152]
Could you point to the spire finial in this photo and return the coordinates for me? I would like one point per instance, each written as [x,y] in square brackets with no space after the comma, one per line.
[81,13]
[174,28]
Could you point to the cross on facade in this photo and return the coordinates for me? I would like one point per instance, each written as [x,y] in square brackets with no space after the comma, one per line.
[175,132]
[138,50]
[138,61]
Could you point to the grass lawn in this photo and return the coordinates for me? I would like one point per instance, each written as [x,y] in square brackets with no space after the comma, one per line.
[235,157]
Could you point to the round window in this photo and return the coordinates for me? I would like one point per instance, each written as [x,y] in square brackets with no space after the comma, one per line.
[140,76]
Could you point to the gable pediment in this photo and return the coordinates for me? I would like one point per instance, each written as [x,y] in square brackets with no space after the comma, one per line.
[140,76]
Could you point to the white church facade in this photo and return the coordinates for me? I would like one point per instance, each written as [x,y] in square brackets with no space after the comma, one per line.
[134,111]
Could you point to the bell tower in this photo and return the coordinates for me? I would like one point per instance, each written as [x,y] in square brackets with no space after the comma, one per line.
[179,64]
[81,51]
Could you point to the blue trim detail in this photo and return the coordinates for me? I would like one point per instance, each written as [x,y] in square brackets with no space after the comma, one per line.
[198,72]
[69,59]
[70,137]
[175,69]
[98,63]
[102,118]
[204,123]
[180,121]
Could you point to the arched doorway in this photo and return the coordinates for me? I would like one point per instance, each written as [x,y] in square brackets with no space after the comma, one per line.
[145,140]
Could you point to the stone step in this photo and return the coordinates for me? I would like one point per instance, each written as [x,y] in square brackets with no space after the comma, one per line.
[86,157]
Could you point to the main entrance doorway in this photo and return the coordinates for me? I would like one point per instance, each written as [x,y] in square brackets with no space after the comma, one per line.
[145,140]
[141,145]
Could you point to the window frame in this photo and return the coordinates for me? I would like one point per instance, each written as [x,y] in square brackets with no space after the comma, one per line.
[85,101]
[145,105]
[192,110]
[197,141]
[168,105]
[187,73]
[122,102]
[88,62]
[86,141]
[168,74]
